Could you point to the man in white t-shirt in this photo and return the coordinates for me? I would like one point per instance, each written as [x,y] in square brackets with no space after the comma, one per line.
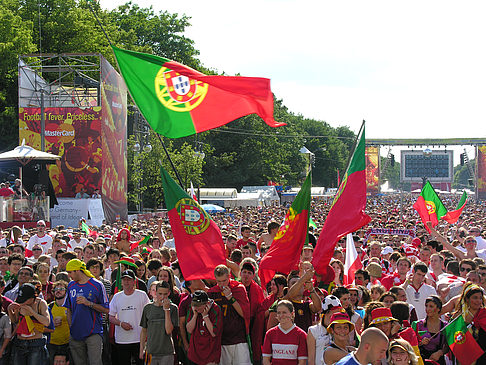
[77,240]
[40,238]
[126,309]
[417,291]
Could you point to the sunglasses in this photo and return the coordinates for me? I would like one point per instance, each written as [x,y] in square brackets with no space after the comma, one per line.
[59,289]
[471,241]
[465,269]
[37,249]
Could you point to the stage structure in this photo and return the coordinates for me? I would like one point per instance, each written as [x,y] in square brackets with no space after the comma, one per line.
[437,165]
[75,106]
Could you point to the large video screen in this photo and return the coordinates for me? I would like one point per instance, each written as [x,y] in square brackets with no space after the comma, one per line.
[434,165]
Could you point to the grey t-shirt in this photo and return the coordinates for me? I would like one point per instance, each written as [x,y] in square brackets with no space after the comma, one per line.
[153,319]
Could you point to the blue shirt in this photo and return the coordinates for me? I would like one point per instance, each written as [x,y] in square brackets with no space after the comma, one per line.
[349,359]
[84,320]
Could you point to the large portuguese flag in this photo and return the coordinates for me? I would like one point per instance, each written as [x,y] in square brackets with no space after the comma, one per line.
[178,101]
[284,253]
[347,211]
[429,206]
[197,238]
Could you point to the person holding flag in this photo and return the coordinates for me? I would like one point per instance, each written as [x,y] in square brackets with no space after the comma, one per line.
[466,332]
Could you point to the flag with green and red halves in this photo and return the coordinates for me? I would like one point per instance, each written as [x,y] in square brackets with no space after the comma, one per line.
[429,206]
[284,253]
[347,210]
[178,101]
[461,342]
[140,242]
[452,216]
[197,238]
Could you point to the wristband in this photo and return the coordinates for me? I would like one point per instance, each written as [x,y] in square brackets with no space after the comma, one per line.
[167,310]
[91,304]
[232,300]
[206,316]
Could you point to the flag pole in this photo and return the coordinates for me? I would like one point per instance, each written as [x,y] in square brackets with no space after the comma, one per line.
[158,135]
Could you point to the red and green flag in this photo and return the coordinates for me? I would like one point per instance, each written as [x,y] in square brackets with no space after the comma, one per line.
[178,101]
[141,242]
[85,228]
[461,342]
[429,206]
[347,211]
[127,261]
[284,253]
[197,238]
[452,216]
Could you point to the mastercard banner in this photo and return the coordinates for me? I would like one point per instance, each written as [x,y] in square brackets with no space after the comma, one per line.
[372,154]
[75,135]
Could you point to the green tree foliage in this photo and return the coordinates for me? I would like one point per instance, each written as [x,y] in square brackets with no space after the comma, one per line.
[16,37]
[391,174]
[461,176]
[244,152]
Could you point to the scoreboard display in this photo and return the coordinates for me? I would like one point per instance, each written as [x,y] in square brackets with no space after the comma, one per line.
[434,165]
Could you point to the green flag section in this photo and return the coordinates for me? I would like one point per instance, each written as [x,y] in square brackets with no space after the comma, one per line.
[85,228]
[143,241]
[452,216]
[347,211]
[197,238]
[178,101]
[429,206]
[284,253]
[461,342]
[312,223]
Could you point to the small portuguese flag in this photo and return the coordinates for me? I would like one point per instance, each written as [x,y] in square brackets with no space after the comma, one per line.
[284,253]
[85,228]
[347,211]
[178,101]
[143,241]
[452,216]
[197,238]
[429,206]
[461,342]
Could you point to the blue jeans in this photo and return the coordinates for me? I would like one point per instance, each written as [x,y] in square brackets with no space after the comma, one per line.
[30,352]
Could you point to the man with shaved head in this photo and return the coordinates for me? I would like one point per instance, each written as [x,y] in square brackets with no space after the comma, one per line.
[372,348]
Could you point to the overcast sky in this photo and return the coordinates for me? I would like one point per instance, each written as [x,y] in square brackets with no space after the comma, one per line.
[410,69]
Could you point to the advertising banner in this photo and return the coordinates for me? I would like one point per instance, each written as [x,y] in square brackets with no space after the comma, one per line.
[481,176]
[114,138]
[75,135]
[372,154]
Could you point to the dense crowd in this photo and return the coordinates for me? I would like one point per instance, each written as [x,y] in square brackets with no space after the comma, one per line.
[69,296]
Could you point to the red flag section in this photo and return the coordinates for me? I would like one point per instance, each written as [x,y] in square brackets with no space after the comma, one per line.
[284,253]
[347,212]
[197,238]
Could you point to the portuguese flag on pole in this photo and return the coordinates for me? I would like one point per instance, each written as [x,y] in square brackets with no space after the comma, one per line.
[452,216]
[347,211]
[284,253]
[461,342]
[197,238]
[178,101]
[429,206]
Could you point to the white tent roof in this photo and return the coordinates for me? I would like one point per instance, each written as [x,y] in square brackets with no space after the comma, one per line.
[26,154]
[264,192]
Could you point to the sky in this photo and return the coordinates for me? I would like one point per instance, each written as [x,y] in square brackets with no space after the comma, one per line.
[414,69]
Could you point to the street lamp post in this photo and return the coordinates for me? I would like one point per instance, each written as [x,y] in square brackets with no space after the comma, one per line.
[142,145]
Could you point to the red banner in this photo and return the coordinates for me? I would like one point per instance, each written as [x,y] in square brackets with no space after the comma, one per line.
[372,154]
[481,178]
[75,135]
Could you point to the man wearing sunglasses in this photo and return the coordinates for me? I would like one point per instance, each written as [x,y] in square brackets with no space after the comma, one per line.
[40,238]
[59,341]
[476,233]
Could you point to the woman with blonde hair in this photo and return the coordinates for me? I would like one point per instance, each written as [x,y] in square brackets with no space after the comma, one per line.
[400,352]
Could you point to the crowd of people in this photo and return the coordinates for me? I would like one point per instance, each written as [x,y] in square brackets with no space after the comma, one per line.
[70,297]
